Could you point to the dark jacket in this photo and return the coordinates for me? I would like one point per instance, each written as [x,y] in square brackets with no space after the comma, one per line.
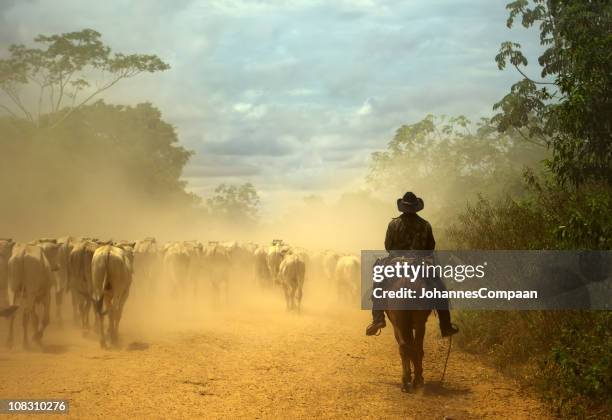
[409,232]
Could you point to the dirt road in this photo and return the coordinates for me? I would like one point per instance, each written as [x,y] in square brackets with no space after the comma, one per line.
[252,362]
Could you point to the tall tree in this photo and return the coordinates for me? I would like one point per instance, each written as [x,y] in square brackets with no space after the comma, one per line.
[104,160]
[61,71]
[570,108]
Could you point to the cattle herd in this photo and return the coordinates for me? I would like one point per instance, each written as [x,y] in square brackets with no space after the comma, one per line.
[100,275]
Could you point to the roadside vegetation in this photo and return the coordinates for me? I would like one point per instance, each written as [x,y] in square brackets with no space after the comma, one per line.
[537,175]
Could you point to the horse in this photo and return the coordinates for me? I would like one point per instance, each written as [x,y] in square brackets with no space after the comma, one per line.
[408,328]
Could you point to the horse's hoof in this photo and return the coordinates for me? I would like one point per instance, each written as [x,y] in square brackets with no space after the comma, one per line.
[406,385]
[407,388]
[418,383]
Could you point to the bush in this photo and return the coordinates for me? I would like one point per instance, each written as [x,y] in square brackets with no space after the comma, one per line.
[566,355]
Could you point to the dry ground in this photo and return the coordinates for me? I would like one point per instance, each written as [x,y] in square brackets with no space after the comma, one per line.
[252,360]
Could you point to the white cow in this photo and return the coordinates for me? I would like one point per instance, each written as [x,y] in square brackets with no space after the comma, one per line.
[111,280]
[80,280]
[347,275]
[291,276]
[30,278]
[6,247]
[260,267]
[274,257]
[216,266]
[146,263]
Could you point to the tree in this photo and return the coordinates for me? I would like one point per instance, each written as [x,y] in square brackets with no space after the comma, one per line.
[570,110]
[235,202]
[103,160]
[450,160]
[60,70]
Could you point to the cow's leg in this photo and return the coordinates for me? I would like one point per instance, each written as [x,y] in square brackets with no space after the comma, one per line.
[86,311]
[100,325]
[9,340]
[26,320]
[111,325]
[81,310]
[117,313]
[35,324]
[46,304]
[418,354]
[75,307]
[292,298]
[299,297]
[58,305]
[287,296]
[226,289]
[216,292]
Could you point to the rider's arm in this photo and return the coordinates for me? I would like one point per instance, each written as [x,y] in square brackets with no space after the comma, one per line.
[430,241]
[389,238]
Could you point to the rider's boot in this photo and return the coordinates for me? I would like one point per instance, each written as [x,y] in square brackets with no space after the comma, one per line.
[446,327]
[378,322]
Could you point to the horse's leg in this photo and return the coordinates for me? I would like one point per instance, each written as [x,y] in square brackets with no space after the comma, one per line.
[419,334]
[404,351]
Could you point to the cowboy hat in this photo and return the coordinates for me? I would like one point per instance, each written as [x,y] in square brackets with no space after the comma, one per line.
[410,203]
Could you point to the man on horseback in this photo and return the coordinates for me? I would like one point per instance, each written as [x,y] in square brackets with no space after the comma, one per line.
[409,232]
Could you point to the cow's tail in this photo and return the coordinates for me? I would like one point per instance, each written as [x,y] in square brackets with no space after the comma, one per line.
[16,271]
[98,302]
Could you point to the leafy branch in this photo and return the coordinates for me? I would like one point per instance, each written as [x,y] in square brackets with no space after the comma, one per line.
[60,70]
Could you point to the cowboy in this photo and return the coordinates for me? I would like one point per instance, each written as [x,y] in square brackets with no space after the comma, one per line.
[409,232]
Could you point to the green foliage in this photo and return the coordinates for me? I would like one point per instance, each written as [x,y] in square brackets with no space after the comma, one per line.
[235,203]
[549,217]
[61,70]
[570,351]
[104,159]
[580,362]
[570,110]
[449,161]
[565,354]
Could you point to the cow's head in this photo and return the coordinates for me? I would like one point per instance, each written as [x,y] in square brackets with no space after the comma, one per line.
[51,251]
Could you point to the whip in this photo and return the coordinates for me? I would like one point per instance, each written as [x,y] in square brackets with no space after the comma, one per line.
[450,344]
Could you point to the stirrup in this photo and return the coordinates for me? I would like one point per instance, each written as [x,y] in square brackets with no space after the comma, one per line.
[449,330]
[378,325]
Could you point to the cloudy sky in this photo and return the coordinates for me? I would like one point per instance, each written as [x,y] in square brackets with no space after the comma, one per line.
[292,95]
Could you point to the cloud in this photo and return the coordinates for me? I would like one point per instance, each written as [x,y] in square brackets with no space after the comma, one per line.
[292,93]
